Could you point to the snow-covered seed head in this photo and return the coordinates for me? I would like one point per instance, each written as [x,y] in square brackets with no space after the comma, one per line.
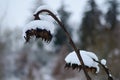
[38,33]
[39,29]
[73,62]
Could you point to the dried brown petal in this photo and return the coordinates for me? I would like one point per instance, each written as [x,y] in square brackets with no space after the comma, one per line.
[67,65]
[29,33]
[74,66]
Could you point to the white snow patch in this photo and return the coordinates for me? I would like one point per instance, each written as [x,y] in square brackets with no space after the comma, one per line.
[46,17]
[45,13]
[87,59]
[42,24]
[103,61]
[45,7]
[110,75]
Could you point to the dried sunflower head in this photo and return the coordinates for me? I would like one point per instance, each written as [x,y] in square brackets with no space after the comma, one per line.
[38,33]
[39,29]
[90,65]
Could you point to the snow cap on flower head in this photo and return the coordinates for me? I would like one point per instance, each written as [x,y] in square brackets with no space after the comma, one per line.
[40,29]
[87,57]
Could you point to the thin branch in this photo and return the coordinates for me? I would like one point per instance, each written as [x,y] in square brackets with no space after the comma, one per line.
[106,70]
[70,39]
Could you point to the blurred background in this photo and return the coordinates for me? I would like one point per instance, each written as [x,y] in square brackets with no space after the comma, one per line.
[94,25]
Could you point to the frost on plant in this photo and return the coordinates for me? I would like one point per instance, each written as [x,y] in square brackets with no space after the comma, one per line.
[41,27]
[90,60]
[103,64]
[73,62]
[47,18]
[45,7]
[103,61]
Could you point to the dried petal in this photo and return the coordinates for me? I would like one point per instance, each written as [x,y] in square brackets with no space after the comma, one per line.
[74,66]
[67,65]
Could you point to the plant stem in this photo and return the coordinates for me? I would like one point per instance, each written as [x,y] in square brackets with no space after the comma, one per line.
[106,70]
[70,39]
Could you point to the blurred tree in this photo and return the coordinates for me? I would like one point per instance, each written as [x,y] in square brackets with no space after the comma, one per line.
[111,15]
[90,24]
[2,45]
[60,35]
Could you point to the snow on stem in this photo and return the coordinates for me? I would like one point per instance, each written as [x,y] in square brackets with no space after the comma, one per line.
[103,64]
[45,13]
